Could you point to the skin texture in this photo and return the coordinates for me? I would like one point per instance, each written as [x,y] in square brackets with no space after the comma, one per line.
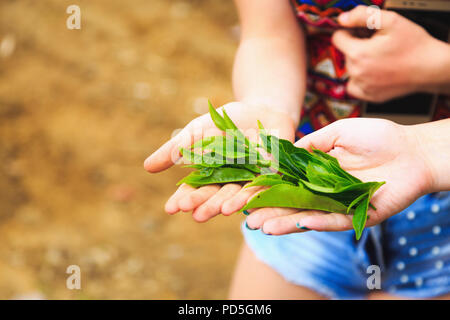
[249,285]
[398,59]
[409,158]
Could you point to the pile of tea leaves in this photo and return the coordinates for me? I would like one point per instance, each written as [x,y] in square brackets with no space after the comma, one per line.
[296,177]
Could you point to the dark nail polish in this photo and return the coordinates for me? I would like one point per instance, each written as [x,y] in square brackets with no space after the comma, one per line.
[301,227]
[246,225]
[267,234]
[246,212]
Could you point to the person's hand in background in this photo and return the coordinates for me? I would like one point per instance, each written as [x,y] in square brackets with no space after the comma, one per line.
[398,59]
[413,160]
[211,200]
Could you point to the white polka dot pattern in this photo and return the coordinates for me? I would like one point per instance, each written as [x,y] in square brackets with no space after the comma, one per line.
[400,265]
[439,264]
[404,278]
[435,251]
[419,282]
[435,208]
[436,230]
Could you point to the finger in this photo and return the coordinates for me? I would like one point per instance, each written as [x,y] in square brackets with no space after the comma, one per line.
[194,199]
[323,222]
[171,206]
[257,218]
[368,17]
[357,17]
[255,194]
[213,206]
[249,211]
[346,42]
[355,90]
[323,139]
[388,19]
[169,153]
[293,223]
[239,200]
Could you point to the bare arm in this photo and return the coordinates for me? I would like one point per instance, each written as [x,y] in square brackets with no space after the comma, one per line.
[412,160]
[436,78]
[269,84]
[433,140]
[270,66]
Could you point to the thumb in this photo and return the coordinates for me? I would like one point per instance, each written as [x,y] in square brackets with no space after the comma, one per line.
[346,42]
[168,153]
[323,139]
[355,18]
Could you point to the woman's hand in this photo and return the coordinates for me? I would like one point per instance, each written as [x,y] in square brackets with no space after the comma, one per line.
[211,200]
[398,59]
[372,150]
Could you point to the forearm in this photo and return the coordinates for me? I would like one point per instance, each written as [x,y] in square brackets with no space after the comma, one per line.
[271,72]
[435,66]
[270,64]
[433,141]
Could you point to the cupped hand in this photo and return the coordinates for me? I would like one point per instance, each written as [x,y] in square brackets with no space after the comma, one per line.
[372,150]
[208,201]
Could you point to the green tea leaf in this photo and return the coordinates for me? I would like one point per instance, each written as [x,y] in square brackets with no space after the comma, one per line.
[203,142]
[217,118]
[268,180]
[288,196]
[250,167]
[205,160]
[318,175]
[230,124]
[336,168]
[355,202]
[219,176]
[360,217]
[206,172]
[325,156]
[260,126]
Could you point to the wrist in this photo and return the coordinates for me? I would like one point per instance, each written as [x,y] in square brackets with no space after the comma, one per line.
[286,109]
[431,75]
[431,143]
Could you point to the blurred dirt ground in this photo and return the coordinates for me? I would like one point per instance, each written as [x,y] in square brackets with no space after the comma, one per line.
[79,112]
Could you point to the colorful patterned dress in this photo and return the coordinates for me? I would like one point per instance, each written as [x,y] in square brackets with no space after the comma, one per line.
[326,98]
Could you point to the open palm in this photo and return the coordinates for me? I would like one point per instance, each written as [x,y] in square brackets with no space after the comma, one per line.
[208,201]
[370,149]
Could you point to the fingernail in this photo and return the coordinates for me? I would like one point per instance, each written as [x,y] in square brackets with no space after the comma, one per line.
[246,212]
[267,234]
[343,17]
[246,225]
[148,161]
[301,227]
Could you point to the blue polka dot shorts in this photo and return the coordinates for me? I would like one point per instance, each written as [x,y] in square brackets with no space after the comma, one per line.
[412,250]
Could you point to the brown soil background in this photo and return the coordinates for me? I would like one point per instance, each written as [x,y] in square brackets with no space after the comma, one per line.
[79,112]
